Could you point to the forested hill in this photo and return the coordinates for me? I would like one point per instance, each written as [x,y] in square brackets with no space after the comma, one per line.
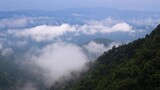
[134,66]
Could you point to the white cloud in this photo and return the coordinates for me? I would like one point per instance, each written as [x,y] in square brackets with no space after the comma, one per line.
[99,27]
[108,21]
[94,49]
[7,52]
[124,27]
[60,59]
[43,32]
[48,32]
[13,23]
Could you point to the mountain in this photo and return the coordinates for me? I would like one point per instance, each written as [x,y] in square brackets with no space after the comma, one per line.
[127,67]
[75,13]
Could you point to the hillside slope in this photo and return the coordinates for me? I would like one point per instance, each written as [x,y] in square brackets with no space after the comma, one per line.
[127,67]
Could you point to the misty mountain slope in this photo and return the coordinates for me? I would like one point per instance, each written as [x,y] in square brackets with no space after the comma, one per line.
[127,67]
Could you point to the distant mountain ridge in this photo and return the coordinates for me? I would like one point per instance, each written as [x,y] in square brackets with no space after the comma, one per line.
[92,12]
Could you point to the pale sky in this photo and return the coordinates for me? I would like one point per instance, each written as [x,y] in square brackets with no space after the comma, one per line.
[141,5]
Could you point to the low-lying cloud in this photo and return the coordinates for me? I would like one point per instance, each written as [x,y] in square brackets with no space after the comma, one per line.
[58,60]
[91,29]
[43,32]
[61,59]
[48,33]
[93,47]
[94,50]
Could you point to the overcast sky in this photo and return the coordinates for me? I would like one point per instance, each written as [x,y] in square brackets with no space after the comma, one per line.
[147,5]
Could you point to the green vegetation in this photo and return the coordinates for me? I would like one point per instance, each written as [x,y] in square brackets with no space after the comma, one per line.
[127,67]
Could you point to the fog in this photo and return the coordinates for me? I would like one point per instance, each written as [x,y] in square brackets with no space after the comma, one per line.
[60,59]
[40,32]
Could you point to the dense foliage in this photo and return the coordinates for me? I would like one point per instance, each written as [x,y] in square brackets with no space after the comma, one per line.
[128,67]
